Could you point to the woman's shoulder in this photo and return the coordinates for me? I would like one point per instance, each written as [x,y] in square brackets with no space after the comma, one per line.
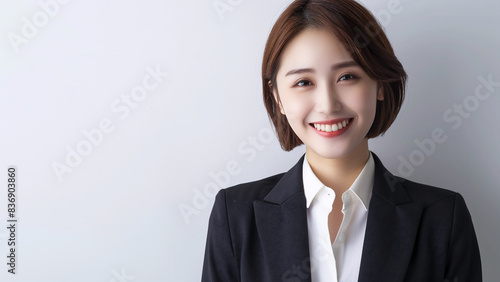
[427,194]
[401,190]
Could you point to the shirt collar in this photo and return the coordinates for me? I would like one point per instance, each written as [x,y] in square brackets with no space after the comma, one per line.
[362,186]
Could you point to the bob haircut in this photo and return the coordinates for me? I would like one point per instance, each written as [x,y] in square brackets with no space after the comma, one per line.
[362,36]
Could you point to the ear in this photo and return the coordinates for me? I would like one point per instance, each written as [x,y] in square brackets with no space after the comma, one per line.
[380,93]
[276,98]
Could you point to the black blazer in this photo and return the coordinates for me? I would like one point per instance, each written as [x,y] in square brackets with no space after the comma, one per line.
[258,232]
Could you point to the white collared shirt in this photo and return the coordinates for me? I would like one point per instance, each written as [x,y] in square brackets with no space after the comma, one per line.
[340,261]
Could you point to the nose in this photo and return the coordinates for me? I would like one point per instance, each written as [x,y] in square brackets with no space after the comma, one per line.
[327,100]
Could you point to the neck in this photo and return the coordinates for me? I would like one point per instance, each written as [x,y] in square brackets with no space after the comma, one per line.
[339,173]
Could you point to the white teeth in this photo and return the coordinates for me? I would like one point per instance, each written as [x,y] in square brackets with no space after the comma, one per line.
[331,128]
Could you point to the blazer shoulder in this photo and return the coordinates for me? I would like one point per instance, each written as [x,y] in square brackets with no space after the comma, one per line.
[399,190]
[246,193]
[426,194]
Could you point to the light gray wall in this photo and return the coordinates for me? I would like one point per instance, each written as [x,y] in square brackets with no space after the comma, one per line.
[111,209]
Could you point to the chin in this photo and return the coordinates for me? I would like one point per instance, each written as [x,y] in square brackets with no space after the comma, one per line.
[332,153]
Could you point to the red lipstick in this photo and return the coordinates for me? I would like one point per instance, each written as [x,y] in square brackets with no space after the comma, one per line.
[329,123]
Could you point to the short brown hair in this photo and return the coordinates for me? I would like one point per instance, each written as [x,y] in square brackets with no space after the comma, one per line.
[362,36]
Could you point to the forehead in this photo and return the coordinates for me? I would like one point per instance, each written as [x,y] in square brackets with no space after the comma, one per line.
[314,47]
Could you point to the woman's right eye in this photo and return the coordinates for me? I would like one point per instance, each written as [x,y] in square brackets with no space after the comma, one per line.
[303,83]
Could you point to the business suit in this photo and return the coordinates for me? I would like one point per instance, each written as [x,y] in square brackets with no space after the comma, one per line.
[258,232]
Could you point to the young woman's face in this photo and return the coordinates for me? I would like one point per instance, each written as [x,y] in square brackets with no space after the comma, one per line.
[328,99]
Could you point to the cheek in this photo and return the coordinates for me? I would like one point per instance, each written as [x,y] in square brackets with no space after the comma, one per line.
[296,107]
[364,102]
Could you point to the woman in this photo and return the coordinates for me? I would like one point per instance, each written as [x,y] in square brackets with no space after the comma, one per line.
[331,81]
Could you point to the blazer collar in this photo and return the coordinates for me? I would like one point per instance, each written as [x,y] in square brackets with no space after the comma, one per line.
[289,185]
[391,228]
[281,220]
[392,224]
[385,185]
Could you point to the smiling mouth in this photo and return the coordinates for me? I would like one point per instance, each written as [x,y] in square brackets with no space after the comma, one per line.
[332,125]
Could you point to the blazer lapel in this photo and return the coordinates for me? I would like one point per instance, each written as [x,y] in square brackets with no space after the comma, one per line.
[281,220]
[391,229]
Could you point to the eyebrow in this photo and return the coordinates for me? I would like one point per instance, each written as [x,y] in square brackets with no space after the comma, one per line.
[334,67]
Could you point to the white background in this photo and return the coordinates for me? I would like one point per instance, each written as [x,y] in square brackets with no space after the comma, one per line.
[115,213]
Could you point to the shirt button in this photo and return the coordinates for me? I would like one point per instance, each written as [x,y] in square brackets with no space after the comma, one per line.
[329,192]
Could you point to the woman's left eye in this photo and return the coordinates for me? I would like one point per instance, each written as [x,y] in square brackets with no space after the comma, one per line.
[303,83]
[347,77]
